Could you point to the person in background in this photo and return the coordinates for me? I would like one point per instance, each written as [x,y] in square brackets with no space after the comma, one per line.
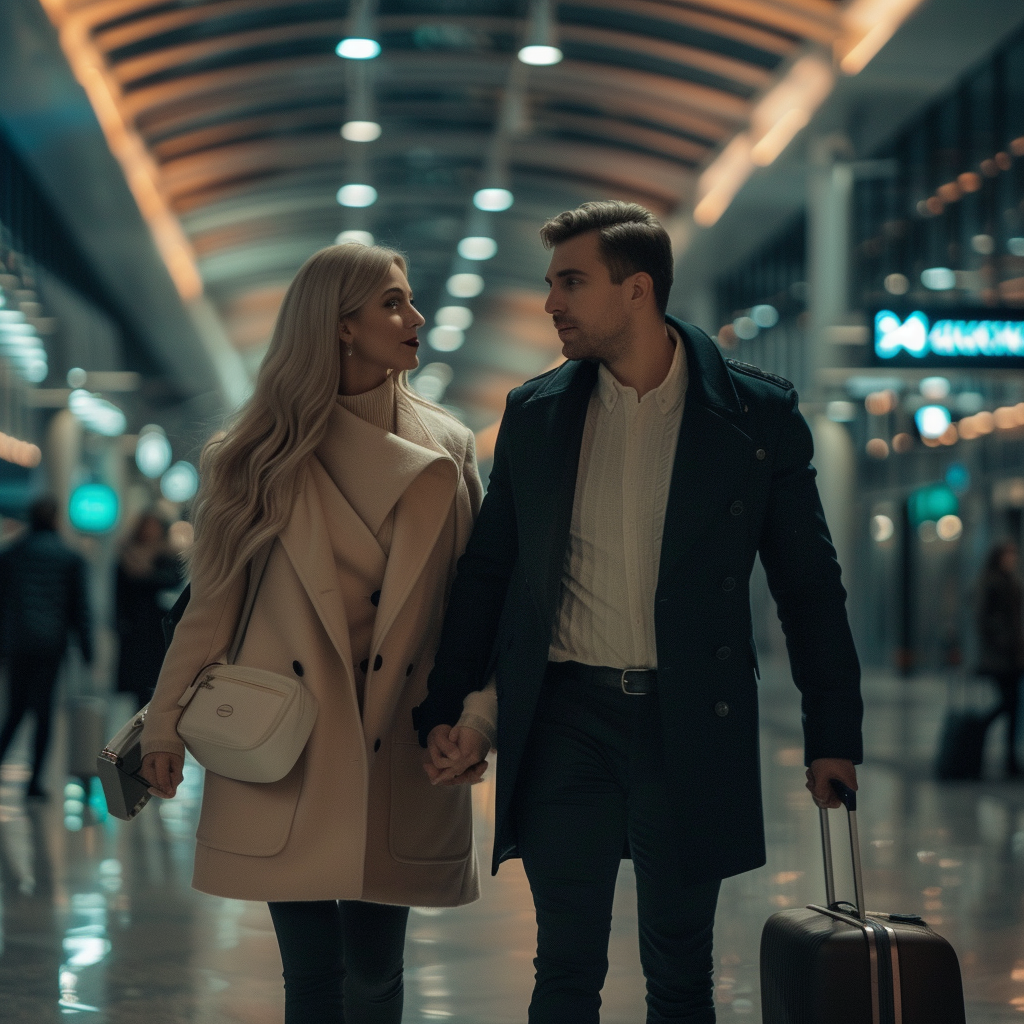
[147,568]
[43,600]
[1000,620]
[364,495]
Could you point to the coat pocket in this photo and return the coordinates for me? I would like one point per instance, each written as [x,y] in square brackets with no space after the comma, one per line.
[429,824]
[249,818]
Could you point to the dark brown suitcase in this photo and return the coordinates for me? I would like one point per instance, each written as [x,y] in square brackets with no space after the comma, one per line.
[837,964]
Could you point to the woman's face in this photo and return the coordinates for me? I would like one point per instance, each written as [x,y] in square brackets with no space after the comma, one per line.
[382,333]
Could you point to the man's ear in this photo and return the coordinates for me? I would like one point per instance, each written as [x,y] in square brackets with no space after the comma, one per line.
[641,287]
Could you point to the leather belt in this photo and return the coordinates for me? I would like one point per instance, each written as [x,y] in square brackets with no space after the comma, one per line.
[636,682]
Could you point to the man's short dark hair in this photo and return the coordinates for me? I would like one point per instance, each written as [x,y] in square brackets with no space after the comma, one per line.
[631,241]
[42,513]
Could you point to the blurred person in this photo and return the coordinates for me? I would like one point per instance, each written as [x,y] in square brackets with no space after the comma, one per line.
[43,600]
[366,494]
[608,571]
[147,568]
[1000,621]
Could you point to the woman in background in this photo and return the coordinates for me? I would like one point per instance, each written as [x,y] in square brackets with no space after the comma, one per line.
[365,495]
[146,571]
[1000,619]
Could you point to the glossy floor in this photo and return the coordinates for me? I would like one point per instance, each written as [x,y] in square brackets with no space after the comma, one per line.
[98,919]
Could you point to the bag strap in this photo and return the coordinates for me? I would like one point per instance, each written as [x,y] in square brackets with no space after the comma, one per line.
[257,567]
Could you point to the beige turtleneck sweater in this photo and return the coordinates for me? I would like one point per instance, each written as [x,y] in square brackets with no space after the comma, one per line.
[377,407]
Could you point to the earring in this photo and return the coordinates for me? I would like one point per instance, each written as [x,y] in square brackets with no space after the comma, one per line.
[348,349]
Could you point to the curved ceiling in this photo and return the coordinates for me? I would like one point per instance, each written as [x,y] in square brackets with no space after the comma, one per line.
[238,103]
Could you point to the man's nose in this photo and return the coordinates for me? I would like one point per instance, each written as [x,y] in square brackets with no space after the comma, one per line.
[552,305]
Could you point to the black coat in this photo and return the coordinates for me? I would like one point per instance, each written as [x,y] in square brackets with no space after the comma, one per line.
[742,485]
[43,597]
[1000,619]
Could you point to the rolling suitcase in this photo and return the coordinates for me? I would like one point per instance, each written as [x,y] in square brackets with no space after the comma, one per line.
[87,732]
[837,964]
[962,746]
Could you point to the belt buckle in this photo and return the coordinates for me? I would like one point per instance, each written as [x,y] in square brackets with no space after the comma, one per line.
[623,682]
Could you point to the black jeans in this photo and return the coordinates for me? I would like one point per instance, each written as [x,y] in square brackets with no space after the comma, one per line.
[31,682]
[342,961]
[591,780]
[1009,704]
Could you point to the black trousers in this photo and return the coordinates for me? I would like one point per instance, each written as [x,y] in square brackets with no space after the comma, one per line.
[592,780]
[1009,704]
[342,961]
[31,681]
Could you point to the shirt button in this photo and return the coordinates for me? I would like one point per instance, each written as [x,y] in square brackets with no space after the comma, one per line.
[736,508]
[760,454]
[376,746]
[721,709]
[377,662]
[728,583]
[375,598]
[297,668]
[722,653]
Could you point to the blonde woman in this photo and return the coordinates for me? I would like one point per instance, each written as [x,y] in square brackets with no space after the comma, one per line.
[366,495]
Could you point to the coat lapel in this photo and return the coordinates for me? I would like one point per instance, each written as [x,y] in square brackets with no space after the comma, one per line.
[308,545]
[550,461]
[711,441]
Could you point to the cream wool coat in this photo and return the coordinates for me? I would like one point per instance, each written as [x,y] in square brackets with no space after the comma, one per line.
[357,817]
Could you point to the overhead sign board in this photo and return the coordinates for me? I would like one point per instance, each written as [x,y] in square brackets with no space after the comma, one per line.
[972,338]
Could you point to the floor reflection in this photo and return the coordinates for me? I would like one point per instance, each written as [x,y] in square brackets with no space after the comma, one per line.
[97,918]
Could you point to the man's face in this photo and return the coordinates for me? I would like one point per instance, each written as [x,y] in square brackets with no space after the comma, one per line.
[591,313]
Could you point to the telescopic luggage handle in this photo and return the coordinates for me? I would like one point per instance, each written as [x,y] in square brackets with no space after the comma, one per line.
[849,800]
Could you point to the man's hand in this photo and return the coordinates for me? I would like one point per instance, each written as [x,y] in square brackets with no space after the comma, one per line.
[819,777]
[457,755]
[163,772]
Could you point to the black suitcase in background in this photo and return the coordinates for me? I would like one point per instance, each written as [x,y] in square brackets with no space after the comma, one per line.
[839,965]
[962,745]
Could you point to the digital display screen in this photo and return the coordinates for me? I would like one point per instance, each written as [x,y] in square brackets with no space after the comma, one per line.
[974,338]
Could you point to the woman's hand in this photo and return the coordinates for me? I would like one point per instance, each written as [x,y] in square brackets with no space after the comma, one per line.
[457,755]
[163,771]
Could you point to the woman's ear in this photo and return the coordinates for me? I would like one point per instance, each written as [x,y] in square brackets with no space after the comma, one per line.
[344,330]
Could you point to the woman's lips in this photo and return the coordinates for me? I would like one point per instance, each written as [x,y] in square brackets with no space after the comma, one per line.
[413,342]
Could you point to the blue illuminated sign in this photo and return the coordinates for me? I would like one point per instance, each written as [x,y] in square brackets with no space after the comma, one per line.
[916,339]
[93,508]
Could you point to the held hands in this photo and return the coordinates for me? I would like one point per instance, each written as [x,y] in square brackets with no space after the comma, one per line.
[162,770]
[457,755]
[819,777]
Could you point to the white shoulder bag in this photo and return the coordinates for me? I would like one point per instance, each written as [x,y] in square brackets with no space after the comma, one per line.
[246,723]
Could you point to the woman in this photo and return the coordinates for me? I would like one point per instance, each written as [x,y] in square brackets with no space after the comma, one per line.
[367,495]
[147,568]
[1001,632]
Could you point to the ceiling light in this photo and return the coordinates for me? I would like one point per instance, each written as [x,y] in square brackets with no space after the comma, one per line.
[938,279]
[360,131]
[446,338]
[180,482]
[477,247]
[493,199]
[352,235]
[465,286]
[540,56]
[152,452]
[357,195]
[354,48]
[454,316]
[932,420]
[96,413]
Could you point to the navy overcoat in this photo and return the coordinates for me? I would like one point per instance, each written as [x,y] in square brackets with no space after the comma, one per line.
[742,486]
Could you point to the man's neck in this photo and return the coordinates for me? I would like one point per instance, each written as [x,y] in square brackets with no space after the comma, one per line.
[646,361]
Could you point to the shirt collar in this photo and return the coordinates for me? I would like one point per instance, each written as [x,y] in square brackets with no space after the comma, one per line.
[668,394]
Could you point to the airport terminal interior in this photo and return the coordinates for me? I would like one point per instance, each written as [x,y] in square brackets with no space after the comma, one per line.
[843,185]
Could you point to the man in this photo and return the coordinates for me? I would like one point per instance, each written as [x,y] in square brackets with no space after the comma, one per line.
[43,598]
[606,581]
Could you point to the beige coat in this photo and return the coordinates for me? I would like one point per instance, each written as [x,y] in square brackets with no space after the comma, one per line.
[357,817]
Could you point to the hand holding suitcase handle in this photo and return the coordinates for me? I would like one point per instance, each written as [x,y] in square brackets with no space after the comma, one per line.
[848,798]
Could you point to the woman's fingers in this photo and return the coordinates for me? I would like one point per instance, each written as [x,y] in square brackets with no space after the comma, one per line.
[163,772]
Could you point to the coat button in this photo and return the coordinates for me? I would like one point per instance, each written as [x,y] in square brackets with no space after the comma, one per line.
[760,454]
[364,665]
[376,746]
[728,583]
[721,709]
[375,598]
[408,671]
[736,508]
[297,668]
[377,662]
[722,653]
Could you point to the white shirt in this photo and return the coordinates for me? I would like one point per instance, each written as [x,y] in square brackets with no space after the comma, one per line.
[606,608]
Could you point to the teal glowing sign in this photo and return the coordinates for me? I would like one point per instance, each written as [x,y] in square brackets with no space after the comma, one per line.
[918,339]
[932,502]
[93,508]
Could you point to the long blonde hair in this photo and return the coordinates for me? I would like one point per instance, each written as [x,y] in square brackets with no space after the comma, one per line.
[249,475]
